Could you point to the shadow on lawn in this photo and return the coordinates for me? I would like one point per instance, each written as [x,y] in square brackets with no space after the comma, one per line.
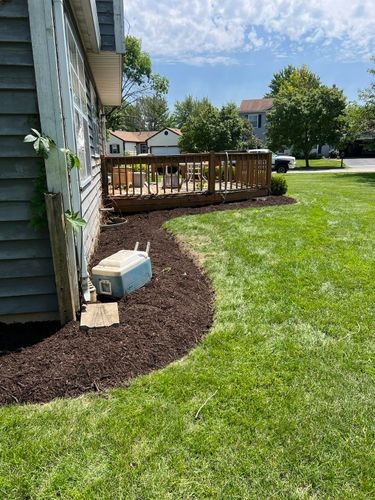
[324,167]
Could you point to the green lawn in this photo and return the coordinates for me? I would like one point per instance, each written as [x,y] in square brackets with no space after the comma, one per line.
[324,163]
[291,356]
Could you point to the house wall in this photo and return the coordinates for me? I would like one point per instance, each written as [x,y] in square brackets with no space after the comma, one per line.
[90,187]
[106,23]
[127,148]
[165,139]
[260,132]
[27,284]
[113,140]
[131,148]
[91,192]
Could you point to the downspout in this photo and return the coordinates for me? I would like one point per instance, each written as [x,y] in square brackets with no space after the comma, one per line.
[68,123]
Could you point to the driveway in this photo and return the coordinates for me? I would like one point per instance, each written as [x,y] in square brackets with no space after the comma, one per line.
[352,165]
[360,162]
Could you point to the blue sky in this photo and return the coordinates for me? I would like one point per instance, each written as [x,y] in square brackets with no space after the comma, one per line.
[228,50]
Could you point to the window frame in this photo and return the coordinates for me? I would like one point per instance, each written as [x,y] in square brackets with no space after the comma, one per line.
[111,146]
[78,89]
[253,117]
[95,121]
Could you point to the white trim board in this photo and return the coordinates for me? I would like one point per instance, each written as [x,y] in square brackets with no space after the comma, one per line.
[43,39]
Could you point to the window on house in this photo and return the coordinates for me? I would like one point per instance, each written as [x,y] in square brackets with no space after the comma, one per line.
[253,119]
[144,148]
[94,121]
[259,121]
[78,89]
[114,149]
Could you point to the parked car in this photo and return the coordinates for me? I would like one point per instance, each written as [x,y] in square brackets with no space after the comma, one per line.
[280,163]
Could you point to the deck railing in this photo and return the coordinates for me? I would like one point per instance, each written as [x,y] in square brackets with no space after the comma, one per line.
[129,179]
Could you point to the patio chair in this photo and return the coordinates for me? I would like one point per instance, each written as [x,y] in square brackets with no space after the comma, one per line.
[195,171]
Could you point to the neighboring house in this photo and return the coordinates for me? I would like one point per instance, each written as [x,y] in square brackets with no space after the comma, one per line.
[364,146]
[255,110]
[60,63]
[122,143]
[162,142]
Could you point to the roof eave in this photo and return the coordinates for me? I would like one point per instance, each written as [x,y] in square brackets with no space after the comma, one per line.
[86,16]
[106,68]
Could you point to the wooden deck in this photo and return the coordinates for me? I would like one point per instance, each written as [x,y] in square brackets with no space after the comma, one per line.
[145,183]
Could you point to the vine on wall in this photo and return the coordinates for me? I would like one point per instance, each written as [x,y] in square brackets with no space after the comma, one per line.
[43,145]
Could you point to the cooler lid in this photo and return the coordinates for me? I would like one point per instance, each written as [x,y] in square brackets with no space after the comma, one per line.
[120,262]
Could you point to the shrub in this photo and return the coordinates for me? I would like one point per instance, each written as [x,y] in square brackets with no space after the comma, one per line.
[279,185]
[333,153]
[297,154]
[315,156]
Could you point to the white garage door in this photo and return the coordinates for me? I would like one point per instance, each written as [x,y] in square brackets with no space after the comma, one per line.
[170,150]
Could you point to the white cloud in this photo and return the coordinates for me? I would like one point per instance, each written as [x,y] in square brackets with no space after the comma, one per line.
[200,60]
[206,31]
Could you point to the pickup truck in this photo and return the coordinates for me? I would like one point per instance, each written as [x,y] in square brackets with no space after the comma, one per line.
[280,163]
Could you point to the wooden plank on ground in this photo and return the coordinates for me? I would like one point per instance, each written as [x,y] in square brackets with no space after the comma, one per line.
[100,315]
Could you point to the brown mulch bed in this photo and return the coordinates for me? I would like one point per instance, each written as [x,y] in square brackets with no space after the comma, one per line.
[158,323]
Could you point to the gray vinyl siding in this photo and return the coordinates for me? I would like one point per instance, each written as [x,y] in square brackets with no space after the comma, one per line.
[106,24]
[27,285]
[91,193]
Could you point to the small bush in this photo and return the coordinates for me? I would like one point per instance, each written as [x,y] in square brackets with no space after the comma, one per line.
[297,154]
[333,153]
[315,156]
[279,185]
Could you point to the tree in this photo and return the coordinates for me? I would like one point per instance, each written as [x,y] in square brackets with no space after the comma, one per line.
[236,132]
[352,126]
[138,81]
[305,113]
[183,109]
[278,79]
[210,129]
[202,129]
[368,97]
[148,113]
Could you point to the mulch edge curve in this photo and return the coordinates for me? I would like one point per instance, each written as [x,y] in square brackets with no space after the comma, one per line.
[31,374]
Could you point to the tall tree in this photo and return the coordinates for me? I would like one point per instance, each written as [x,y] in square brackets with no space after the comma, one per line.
[148,113]
[305,113]
[353,125]
[138,81]
[183,109]
[210,129]
[368,97]
[278,79]
[202,129]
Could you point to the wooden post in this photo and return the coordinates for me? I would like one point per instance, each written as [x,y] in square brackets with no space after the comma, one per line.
[63,280]
[211,172]
[269,172]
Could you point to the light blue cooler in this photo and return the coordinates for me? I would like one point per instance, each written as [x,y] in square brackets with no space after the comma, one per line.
[122,273]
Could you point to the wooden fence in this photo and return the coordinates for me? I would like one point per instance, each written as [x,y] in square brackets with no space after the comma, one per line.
[143,183]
